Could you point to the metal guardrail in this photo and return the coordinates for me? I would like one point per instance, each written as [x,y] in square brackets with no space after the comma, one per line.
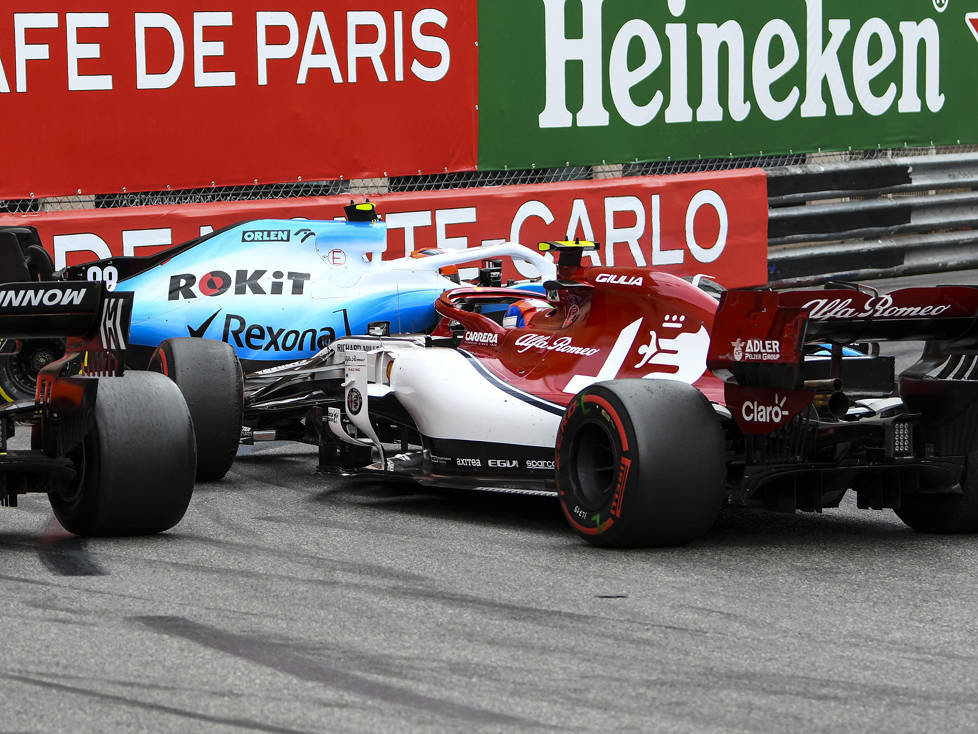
[872,219]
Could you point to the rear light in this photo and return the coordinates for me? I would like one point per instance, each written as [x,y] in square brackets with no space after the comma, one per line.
[902,438]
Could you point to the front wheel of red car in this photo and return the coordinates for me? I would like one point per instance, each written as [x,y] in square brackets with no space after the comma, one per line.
[640,463]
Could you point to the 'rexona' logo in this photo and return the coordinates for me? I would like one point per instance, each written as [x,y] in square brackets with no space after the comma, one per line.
[941,5]
[243,335]
[254,282]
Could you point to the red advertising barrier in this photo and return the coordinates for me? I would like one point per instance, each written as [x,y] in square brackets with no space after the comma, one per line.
[712,224]
[134,98]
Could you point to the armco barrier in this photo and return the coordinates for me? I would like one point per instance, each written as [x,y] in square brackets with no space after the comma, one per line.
[872,219]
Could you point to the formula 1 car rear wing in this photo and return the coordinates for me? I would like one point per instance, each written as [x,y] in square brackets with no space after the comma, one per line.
[772,327]
[760,340]
[94,322]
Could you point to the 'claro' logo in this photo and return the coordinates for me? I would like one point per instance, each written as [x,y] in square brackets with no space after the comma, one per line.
[754,411]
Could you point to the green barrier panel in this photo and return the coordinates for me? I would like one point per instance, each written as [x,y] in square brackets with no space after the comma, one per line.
[610,81]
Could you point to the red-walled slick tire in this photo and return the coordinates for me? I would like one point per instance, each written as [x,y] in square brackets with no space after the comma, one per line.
[640,463]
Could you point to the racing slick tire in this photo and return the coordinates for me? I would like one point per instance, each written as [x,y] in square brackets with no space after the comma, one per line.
[640,463]
[945,513]
[136,465]
[209,375]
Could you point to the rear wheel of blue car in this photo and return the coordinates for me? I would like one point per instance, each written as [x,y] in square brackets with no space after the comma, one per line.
[208,374]
[955,512]
[135,467]
[640,463]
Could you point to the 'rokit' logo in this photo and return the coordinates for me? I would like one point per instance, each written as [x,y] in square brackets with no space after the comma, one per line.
[354,401]
[245,282]
[266,235]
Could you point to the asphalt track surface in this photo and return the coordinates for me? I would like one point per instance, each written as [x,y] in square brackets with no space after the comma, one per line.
[289,602]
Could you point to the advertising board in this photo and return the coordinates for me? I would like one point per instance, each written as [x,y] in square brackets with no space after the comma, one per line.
[713,224]
[592,81]
[146,95]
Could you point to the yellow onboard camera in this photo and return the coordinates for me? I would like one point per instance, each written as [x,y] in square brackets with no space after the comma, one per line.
[569,253]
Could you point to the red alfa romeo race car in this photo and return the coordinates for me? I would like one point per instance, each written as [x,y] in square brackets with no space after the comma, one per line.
[646,401]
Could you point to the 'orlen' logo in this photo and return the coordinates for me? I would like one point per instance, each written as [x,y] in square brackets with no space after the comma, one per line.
[619,279]
[481,337]
[245,282]
[754,412]
[266,235]
[756,350]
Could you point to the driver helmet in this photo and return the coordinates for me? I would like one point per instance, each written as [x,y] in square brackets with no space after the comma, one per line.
[520,312]
[449,271]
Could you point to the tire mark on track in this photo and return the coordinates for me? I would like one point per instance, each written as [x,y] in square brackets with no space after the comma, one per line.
[66,555]
[279,657]
[147,706]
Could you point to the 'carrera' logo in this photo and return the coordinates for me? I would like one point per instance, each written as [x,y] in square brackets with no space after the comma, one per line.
[245,282]
[266,235]
[19,298]
[481,337]
[619,279]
